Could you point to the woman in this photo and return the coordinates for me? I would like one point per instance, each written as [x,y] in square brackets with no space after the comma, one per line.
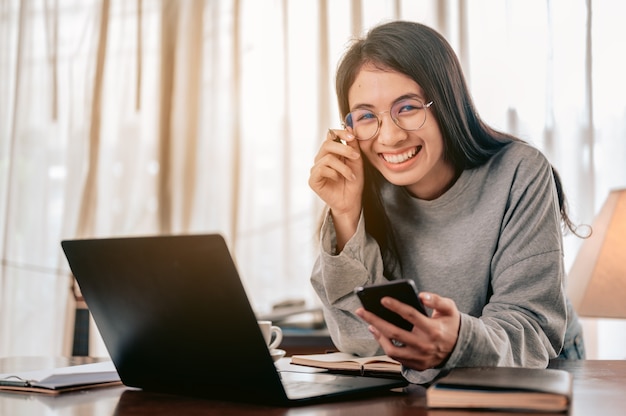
[419,187]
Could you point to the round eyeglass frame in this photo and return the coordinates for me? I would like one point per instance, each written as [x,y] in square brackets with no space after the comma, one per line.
[380,121]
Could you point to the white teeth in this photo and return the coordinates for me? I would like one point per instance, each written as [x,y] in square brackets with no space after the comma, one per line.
[399,158]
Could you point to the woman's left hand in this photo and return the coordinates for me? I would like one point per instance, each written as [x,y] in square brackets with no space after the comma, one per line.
[431,340]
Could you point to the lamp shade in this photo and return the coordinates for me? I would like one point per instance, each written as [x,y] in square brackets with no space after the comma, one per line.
[597,279]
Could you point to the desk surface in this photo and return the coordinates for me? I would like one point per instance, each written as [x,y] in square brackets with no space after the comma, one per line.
[599,388]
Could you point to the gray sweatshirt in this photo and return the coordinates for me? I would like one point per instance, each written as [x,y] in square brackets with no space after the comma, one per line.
[492,243]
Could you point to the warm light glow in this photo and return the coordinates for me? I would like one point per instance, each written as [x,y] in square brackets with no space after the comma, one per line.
[597,281]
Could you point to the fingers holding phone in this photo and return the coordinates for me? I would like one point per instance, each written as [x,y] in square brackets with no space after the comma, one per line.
[402,291]
[400,323]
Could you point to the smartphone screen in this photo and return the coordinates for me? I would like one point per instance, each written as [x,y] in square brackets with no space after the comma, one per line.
[402,290]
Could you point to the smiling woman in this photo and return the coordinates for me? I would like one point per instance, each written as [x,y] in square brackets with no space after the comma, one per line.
[126,117]
[445,202]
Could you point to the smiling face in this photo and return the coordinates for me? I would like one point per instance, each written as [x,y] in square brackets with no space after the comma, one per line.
[413,159]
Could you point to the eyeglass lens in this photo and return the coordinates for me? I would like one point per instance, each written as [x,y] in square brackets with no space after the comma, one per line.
[407,114]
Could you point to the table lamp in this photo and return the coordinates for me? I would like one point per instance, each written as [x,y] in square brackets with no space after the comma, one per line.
[597,279]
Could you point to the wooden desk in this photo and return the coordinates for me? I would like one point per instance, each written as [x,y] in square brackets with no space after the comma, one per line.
[599,389]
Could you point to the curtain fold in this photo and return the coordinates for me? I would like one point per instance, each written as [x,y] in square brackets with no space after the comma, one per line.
[139,55]
[169,44]
[9,148]
[588,133]
[190,118]
[235,156]
[52,26]
[88,208]
[9,145]
[290,251]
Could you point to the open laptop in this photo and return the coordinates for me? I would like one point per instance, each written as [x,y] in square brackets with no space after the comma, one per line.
[175,318]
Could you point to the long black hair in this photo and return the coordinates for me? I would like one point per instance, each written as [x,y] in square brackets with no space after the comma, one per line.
[423,54]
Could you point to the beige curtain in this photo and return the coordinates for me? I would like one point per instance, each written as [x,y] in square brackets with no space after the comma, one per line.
[141,117]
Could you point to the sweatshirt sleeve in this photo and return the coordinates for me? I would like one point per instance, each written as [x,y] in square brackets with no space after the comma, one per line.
[334,278]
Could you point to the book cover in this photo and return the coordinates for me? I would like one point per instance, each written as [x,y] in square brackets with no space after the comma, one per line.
[502,388]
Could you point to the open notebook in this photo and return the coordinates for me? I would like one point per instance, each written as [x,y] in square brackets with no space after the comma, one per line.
[174,316]
[61,379]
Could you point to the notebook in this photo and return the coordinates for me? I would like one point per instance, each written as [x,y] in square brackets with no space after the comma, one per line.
[162,302]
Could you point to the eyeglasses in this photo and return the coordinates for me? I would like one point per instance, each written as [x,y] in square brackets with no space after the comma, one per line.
[409,115]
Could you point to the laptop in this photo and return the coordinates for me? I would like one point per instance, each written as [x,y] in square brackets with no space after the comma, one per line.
[174,316]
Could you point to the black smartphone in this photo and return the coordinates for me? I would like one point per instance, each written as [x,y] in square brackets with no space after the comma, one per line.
[403,290]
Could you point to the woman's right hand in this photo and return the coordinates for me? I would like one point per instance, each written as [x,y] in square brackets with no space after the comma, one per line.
[337,178]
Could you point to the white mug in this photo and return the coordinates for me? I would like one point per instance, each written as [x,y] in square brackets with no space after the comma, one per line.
[272,334]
